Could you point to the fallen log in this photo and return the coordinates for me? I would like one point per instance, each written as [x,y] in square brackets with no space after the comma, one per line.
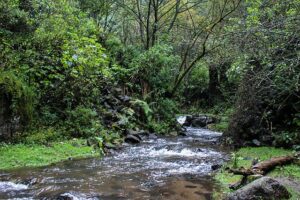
[265,166]
[268,165]
[242,171]
[261,168]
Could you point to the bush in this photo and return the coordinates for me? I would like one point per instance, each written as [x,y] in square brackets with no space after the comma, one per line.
[43,136]
[286,139]
[83,122]
[165,109]
[198,80]
[142,110]
[15,93]
[268,96]
[155,69]
[164,120]
[159,127]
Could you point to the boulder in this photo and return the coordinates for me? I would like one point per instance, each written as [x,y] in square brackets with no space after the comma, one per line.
[75,195]
[137,133]
[199,120]
[152,136]
[29,182]
[264,188]
[65,197]
[182,133]
[188,121]
[109,145]
[130,132]
[133,139]
[216,167]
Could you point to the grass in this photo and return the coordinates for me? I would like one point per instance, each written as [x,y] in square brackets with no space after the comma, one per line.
[245,156]
[21,155]
[221,126]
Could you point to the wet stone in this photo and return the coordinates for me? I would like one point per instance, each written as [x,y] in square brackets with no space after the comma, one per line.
[132,139]
[264,188]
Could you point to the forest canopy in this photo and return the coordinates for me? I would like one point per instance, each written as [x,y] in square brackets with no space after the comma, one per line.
[100,67]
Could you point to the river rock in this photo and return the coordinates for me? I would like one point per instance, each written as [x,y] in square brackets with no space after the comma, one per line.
[256,142]
[216,167]
[264,188]
[137,133]
[65,197]
[133,139]
[199,121]
[182,133]
[152,136]
[75,196]
[130,132]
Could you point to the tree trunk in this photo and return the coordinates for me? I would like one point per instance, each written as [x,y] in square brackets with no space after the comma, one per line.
[214,85]
[155,24]
[140,21]
[148,29]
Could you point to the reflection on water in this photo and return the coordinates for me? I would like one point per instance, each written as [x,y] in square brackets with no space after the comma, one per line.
[163,168]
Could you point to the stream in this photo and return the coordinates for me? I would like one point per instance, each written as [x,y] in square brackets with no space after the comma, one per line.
[172,168]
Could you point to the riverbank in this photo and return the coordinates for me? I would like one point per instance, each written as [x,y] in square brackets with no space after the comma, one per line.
[33,155]
[289,175]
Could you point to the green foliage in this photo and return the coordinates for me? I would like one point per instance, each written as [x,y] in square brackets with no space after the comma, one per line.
[111,137]
[13,19]
[53,47]
[164,118]
[199,78]
[160,127]
[83,55]
[83,122]
[71,53]
[165,109]
[42,136]
[267,70]
[19,95]
[155,67]
[143,109]
[105,139]
[287,139]
[222,126]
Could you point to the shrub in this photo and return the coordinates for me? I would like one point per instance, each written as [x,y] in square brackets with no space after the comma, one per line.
[155,68]
[83,122]
[286,139]
[18,96]
[43,136]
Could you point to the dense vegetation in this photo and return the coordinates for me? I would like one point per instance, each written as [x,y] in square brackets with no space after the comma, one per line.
[87,68]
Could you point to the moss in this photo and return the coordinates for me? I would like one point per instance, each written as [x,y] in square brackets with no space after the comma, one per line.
[244,157]
[21,155]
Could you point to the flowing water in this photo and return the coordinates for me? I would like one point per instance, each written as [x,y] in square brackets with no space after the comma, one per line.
[159,168]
